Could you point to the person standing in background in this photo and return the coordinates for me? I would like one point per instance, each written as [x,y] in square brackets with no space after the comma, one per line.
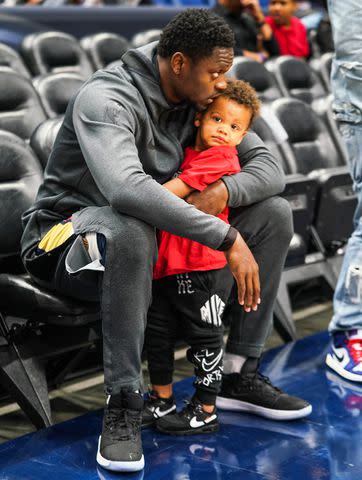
[345,354]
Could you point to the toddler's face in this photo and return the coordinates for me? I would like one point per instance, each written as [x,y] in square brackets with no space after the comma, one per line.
[224,123]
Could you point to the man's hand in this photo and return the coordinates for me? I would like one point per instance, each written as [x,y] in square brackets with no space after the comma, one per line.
[253,8]
[213,200]
[246,273]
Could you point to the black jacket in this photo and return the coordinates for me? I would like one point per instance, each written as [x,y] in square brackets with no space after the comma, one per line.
[245,30]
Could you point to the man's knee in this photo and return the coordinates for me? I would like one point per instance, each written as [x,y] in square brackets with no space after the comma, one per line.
[130,237]
[266,219]
[280,215]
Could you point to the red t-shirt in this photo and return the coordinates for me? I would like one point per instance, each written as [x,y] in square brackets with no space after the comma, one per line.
[181,255]
[292,40]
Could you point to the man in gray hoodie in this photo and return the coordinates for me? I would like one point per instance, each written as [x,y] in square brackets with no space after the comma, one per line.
[91,232]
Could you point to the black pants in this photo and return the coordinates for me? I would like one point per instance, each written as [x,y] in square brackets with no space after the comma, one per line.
[189,306]
[125,287]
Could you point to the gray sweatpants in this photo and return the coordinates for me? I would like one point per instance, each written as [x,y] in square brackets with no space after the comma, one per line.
[125,287]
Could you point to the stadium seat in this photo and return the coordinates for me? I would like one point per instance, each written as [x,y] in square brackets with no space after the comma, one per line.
[36,325]
[300,191]
[43,137]
[20,108]
[56,89]
[52,52]
[10,58]
[104,48]
[143,38]
[296,79]
[20,177]
[258,76]
[309,143]
[313,152]
[310,151]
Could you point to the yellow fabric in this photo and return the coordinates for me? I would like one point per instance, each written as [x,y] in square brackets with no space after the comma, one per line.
[56,236]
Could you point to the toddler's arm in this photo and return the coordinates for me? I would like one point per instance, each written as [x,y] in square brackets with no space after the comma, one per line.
[178,187]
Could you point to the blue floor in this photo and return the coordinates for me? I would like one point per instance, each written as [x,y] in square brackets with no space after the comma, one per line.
[326,445]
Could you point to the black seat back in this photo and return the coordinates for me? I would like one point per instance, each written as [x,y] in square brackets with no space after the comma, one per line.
[56,89]
[104,48]
[11,58]
[258,76]
[309,141]
[316,154]
[300,191]
[20,107]
[20,178]
[48,52]
[296,79]
[143,38]
[43,138]
[264,131]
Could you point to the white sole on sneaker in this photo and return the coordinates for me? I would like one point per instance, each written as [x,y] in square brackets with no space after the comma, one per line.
[240,406]
[336,366]
[115,466]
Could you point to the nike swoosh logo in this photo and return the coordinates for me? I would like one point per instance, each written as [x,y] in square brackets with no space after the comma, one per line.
[161,413]
[194,423]
[339,357]
[208,366]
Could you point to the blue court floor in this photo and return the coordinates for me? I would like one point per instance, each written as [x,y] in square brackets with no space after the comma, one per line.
[326,445]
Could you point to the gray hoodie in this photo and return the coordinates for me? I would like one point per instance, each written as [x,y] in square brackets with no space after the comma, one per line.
[120,140]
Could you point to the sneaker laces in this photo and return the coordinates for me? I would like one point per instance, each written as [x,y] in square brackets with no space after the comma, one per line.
[259,380]
[355,349]
[121,423]
[190,408]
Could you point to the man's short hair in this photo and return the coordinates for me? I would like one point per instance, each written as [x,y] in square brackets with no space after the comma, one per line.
[244,94]
[196,33]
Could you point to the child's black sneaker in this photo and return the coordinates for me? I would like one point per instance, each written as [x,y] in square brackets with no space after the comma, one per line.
[190,421]
[120,445]
[156,407]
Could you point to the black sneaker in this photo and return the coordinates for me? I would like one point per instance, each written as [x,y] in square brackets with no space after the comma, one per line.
[190,421]
[249,391]
[120,445]
[156,407]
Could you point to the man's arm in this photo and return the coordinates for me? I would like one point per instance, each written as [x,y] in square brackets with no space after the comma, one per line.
[261,174]
[269,43]
[261,177]
[106,133]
